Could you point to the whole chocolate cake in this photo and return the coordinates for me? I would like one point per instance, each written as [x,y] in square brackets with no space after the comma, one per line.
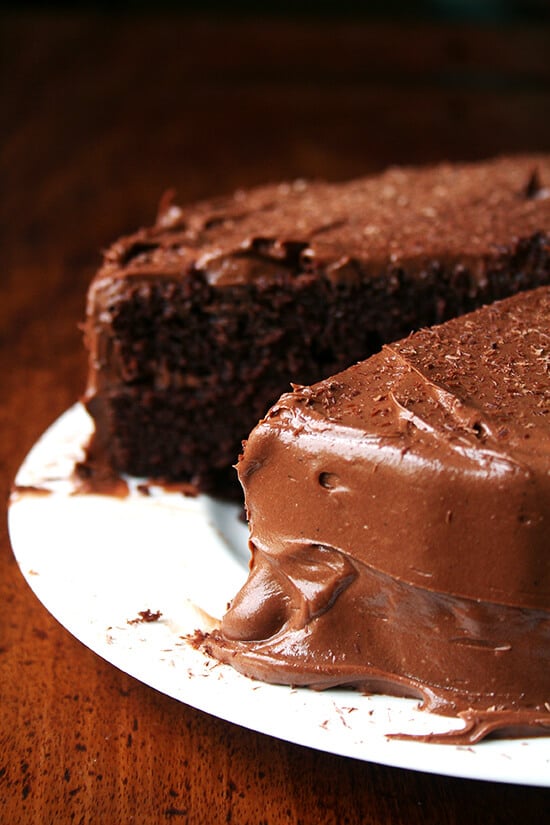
[197,324]
[400,525]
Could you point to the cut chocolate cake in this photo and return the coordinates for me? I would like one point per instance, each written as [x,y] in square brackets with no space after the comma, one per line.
[400,525]
[196,325]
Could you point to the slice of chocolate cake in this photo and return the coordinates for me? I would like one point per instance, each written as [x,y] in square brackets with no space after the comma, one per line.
[196,325]
[400,523]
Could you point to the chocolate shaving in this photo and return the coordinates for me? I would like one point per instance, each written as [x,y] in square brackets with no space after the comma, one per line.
[146,616]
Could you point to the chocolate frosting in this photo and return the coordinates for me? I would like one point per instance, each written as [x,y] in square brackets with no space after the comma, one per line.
[347,230]
[399,516]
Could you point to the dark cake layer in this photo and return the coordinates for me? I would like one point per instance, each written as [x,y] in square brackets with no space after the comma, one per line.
[196,325]
[399,516]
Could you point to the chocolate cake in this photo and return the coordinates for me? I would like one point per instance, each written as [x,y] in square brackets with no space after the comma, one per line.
[197,324]
[400,521]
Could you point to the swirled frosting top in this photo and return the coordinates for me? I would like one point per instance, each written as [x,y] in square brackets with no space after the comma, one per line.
[346,230]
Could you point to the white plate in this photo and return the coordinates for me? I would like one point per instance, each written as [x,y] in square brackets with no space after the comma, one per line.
[97,562]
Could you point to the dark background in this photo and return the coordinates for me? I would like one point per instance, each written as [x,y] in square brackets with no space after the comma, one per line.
[446,9]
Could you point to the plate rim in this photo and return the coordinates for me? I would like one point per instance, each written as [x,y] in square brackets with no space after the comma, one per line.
[69,432]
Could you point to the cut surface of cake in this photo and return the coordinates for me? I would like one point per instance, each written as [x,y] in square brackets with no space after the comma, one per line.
[196,325]
[400,525]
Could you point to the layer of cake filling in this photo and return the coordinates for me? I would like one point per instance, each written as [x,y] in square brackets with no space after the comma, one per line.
[399,525]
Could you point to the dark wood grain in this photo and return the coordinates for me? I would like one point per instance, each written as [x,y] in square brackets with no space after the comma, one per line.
[101,114]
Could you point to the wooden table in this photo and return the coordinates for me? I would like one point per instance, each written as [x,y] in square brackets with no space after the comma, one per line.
[101,115]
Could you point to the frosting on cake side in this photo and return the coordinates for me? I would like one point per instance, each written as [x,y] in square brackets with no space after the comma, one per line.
[400,525]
